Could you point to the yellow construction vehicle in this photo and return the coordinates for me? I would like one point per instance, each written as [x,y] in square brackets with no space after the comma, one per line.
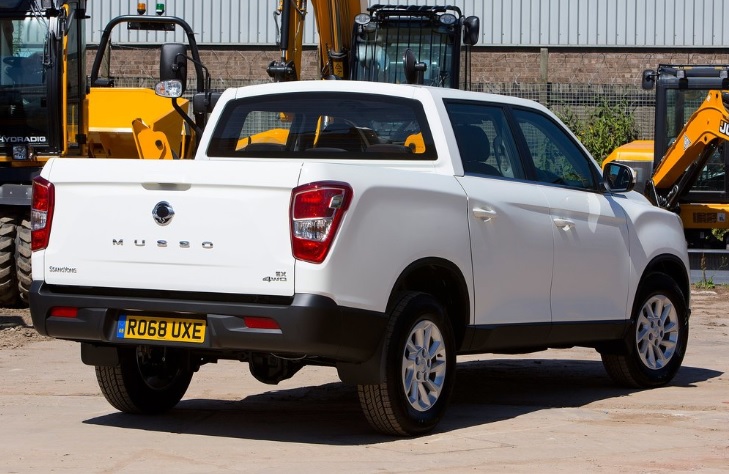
[48,108]
[685,167]
[383,43]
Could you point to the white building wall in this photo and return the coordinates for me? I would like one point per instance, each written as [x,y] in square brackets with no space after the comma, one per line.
[504,23]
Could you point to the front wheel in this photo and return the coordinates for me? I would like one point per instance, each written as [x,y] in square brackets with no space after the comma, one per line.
[147,380]
[420,369]
[655,345]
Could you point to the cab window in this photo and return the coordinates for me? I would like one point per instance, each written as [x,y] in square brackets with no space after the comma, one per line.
[556,157]
[320,126]
[485,141]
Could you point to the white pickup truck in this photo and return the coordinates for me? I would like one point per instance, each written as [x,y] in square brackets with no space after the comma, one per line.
[379,229]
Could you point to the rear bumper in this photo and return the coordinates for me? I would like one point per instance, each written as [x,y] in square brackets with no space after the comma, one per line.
[310,325]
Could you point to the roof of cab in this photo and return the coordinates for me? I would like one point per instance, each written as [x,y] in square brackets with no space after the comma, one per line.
[364,87]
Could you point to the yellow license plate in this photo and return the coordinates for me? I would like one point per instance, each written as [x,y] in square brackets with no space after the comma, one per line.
[154,328]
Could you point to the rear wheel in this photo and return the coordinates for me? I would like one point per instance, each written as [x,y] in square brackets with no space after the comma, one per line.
[8,280]
[655,345]
[22,259]
[420,369]
[148,380]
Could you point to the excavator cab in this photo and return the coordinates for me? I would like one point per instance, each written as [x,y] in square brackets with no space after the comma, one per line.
[30,99]
[685,167]
[433,35]
[369,44]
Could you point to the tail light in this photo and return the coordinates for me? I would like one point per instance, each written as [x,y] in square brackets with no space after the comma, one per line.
[316,213]
[41,213]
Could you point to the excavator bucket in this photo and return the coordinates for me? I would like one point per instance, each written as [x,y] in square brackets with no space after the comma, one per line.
[133,123]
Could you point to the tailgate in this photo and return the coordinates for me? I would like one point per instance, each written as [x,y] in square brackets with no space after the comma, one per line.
[210,226]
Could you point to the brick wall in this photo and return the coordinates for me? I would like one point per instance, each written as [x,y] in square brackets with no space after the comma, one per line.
[580,67]
[601,66]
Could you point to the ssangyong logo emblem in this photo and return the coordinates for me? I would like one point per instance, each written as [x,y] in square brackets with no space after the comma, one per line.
[163,213]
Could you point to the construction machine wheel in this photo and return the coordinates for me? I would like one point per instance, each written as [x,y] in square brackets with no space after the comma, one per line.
[8,280]
[22,259]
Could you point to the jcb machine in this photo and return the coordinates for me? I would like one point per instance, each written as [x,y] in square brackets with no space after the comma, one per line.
[384,43]
[685,167]
[49,108]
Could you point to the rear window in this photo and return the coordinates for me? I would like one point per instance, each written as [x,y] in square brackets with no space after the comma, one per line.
[315,125]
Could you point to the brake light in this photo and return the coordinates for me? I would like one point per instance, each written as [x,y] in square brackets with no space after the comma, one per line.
[64,312]
[41,213]
[316,212]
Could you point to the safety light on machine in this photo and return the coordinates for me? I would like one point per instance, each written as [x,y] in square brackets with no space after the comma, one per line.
[142,8]
[23,152]
[160,9]
[362,19]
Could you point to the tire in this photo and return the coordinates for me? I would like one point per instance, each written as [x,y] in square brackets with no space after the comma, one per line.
[415,394]
[655,344]
[8,279]
[148,380]
[22,259]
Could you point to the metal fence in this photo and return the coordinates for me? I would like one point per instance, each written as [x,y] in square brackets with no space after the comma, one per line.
[583,100]
[580,100]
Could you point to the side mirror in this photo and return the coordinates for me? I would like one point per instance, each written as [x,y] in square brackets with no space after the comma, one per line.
[618,177]
[648,81]
[408,62]
[173,64]
[471,30]
[414,71]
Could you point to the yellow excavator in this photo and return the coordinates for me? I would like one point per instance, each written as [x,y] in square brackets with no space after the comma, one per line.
[383,43]
[49,108]
[684,168]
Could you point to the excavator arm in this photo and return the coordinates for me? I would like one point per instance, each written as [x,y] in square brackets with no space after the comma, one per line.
[688,154]
[334,22]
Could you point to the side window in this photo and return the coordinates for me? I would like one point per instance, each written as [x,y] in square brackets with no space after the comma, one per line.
[713,176]
[557,159]
[484,139]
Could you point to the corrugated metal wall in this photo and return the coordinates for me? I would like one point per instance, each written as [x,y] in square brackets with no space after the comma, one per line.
[512,23]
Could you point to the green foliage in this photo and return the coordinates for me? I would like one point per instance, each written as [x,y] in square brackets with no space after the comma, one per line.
[704,283]
[607,128]
[719,233]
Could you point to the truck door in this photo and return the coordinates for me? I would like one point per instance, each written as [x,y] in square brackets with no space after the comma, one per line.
[591,254]
[511,237]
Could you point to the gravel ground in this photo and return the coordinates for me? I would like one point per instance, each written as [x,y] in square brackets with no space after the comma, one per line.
[16,328]
[553,411]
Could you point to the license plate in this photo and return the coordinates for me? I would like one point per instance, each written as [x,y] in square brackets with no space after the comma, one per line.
[155,328]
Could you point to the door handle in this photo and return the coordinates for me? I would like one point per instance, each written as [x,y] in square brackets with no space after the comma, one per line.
[564,224]
[483,214]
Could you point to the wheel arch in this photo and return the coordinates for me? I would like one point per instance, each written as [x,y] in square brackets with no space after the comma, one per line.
[438,277]
[674,268]
[445,282]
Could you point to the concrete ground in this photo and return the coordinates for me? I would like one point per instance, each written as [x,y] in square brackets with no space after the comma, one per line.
[554,411]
